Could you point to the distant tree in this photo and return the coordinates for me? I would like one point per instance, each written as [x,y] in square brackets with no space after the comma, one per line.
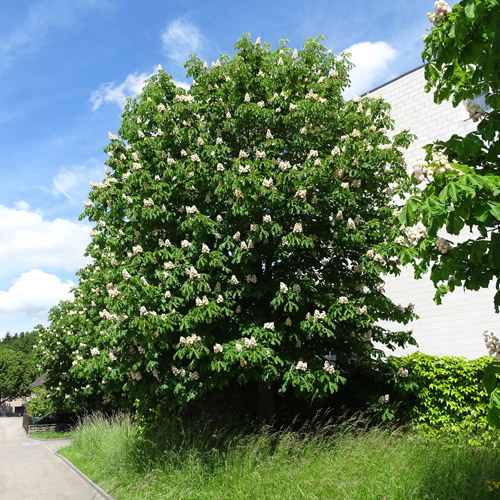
[22,342]
[17,372]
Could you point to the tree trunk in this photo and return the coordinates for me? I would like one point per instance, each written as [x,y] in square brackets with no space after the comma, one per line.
[266,404]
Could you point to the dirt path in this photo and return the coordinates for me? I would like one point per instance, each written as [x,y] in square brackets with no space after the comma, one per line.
[30,470]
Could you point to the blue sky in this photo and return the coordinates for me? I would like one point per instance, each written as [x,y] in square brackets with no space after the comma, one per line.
[66,68]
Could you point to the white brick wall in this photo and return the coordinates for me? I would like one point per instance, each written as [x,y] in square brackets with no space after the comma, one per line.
[456,326]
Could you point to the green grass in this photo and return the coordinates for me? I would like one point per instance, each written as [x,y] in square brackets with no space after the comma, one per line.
[345,462]
[52,435]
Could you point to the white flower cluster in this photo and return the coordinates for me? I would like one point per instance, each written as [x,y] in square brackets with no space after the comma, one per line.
[149,203]
[402,372]
[493,344]
[192,210]
[416,233]
[318,315]
[269,326]
[177,372]
[202,302]
[135,375]
[136,249]
[112,291]
[250,343]
[443,245]
[283,288]
[474,109]
[328,367]
[439,165]
[297,228]
[190,340]
[251,278]
[218,349]
[441,10]
[192,273]
[383,399]
[269,183]
[266,218]
[184,98]
[302,366]
[343,300]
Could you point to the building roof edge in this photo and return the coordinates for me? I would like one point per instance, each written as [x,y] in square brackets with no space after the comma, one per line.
[394,79]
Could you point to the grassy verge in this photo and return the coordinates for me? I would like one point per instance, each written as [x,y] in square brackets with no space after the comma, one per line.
[344,462]
[52,435]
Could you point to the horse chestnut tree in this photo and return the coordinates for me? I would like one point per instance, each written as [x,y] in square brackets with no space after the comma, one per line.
[241,234]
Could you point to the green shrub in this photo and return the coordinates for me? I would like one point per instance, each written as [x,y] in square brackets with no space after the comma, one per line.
[41,405]
[441,393]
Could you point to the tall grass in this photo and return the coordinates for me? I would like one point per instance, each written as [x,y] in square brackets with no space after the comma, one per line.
[348,461]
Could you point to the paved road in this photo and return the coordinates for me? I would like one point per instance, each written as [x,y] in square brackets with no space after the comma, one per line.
[30,470]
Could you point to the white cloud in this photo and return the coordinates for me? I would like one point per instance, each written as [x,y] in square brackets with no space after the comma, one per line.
[182,85]
[29,241]
[73,182]
[371,61]
[118,93]
[180,39]
[34,293]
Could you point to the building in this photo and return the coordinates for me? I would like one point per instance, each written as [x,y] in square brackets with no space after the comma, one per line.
[456,326]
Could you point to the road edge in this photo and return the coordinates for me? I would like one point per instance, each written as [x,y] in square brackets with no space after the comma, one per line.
[87,479]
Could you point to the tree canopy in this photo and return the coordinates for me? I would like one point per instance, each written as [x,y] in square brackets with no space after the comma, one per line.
[241,234]
[461,175]
[17,372]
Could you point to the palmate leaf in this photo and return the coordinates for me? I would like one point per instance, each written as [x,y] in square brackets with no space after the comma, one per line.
[490,380]
[494,409]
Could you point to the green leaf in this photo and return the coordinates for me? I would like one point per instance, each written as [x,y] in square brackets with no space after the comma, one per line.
[477,251]
[407,214]
[494,209]
[489,381]
[470,10]
[494,409]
